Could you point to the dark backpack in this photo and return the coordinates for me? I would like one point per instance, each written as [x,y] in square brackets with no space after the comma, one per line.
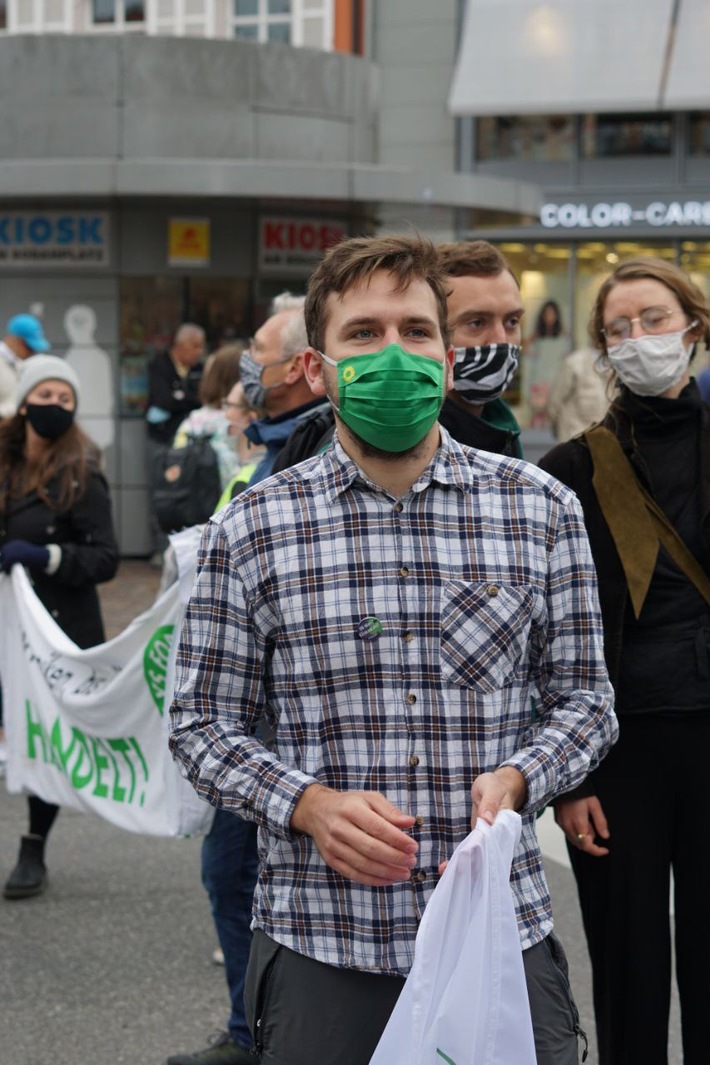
[311,436]
[187,484]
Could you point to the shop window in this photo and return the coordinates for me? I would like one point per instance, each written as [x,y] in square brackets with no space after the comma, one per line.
[221,307]
[608,136]
[543,273]
[117,13]
[699,133]
[151,310]
[530,138]
[297,22]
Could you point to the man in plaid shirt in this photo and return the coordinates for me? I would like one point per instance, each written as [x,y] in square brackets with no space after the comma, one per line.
[390,609]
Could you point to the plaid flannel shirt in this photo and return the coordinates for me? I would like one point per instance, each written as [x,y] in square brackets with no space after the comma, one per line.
[392,645]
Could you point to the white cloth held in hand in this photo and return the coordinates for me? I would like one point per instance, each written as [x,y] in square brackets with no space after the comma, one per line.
[465,1001]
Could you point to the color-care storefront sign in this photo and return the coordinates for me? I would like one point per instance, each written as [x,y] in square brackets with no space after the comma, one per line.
[54,238]
[87,728]
[659,214]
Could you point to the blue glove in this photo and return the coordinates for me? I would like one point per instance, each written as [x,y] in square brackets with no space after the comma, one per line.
[31,555]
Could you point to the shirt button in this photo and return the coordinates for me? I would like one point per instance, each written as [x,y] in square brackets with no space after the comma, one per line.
[404,571]
[419,820]
[50,529]
[414,759]
[411,698]
[492,589]
[398,508]
[421,877]
[408,637]
[55,613]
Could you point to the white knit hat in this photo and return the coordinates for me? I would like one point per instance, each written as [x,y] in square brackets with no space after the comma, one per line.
[38,368]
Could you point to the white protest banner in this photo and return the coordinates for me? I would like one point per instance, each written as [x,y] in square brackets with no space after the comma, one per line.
[86,728]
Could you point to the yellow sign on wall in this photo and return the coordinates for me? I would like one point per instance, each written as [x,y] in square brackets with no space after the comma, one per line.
[188,242]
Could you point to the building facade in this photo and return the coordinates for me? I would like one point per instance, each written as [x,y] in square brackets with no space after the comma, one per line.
[606,108]
[189,169]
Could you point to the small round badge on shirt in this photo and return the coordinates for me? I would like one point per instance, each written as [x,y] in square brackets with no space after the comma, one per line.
[369,628]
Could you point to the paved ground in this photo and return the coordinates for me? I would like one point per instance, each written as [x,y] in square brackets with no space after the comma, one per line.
[113,964]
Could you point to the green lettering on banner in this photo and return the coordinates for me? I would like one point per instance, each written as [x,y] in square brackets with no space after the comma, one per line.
[83,771]
[35,731]
[101,763]
[89,761]
[122,747]
[155,663]
[60,754]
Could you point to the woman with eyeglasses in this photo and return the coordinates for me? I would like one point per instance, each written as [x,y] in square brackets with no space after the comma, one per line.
[643,478]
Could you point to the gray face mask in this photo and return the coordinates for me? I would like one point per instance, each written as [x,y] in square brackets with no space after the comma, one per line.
[250,374]
[651,365]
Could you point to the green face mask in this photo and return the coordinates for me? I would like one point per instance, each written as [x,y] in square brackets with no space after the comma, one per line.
[390,398]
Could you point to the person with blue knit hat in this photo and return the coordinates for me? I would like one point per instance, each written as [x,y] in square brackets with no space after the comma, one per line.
[55,520]
[24,337]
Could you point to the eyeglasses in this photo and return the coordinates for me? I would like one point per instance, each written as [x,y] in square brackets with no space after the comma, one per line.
[653,320]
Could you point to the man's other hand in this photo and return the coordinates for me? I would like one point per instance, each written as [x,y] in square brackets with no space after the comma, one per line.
[360,834]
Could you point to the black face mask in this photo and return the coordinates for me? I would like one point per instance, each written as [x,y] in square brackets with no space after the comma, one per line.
[49,419]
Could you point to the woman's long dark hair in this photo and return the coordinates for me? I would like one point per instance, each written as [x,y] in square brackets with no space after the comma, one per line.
[542,329]
[67,463]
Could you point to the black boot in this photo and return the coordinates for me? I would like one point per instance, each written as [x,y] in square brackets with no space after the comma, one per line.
[29,877]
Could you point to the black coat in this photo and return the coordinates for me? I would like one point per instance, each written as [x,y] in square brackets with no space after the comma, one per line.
[571,463]
[173,393]
[89,554]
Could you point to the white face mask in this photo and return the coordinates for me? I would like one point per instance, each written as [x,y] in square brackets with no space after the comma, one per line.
[650,365]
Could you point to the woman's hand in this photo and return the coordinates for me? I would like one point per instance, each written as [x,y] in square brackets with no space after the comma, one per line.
[34,556]
[581,820]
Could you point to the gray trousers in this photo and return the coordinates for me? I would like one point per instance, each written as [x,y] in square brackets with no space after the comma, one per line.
[301,1011]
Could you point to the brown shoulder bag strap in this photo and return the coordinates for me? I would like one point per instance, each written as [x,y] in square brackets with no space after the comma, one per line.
[636,522]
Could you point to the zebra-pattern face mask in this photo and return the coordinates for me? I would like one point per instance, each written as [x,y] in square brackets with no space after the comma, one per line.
[483,373]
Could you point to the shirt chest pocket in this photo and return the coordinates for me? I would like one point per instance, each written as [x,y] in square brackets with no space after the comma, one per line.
[484,633]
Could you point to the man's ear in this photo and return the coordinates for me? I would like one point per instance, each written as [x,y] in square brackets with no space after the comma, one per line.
[313,371]
[295,370]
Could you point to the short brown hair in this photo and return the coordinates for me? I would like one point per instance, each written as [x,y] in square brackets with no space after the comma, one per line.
[690,297]
[472,258]
[221,373]
[353,261]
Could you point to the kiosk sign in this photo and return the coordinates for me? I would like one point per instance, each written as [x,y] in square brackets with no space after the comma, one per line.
[296,245]
[54,238]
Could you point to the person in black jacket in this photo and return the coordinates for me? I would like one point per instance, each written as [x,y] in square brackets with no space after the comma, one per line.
[55,519]
[173,392]
[643,479]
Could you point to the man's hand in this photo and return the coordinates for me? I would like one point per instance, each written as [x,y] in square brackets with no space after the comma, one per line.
[581,820]
[357,833]
[505,789]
